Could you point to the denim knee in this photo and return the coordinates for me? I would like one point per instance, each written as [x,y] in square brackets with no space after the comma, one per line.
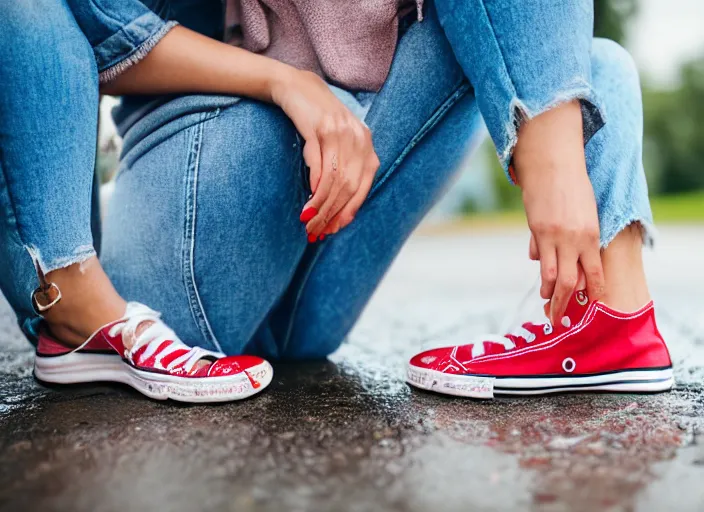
[608,54]
[248,239]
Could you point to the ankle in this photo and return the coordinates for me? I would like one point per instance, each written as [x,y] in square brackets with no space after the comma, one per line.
[626,286]
[626,300]
[88,302]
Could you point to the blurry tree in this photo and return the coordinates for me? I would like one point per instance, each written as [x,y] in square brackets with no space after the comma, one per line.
[611,17]
[674,132]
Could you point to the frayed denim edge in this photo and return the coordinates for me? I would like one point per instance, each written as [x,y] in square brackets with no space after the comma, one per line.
[520,113]
[117,69]
[647,228]
[80,254]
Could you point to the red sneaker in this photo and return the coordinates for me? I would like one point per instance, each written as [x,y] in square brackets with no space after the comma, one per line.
[596,349]
[158,365]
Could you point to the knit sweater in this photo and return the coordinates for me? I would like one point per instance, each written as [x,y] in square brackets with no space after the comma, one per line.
[350,43]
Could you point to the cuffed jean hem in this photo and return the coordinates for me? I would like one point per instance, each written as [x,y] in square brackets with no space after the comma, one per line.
[593,119]
[141,51]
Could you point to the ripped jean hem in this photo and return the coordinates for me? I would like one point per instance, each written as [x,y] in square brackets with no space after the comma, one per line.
[593,119]
[81,254]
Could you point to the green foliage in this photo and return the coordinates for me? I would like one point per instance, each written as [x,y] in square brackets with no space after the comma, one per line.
[611,16]
[688,207]
[674,132]
[508,195]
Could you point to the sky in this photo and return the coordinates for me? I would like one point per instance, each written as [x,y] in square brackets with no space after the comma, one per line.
[665,34]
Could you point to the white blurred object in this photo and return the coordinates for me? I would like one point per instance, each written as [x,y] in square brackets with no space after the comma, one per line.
[107,133]
[106,191]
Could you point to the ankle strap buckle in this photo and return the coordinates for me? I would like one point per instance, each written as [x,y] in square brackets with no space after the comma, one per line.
[48,292]
[51,295]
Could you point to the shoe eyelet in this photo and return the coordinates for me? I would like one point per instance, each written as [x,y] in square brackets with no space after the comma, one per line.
[582,298]
[568,365]
[547,328]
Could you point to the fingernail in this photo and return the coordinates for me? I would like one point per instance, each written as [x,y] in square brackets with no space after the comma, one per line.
[312,238]
[322,237]
[308,214]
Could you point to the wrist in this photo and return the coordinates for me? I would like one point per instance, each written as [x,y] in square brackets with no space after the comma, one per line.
[280,79]
[550,146]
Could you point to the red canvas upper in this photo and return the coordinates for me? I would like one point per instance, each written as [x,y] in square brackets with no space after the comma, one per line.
[598,339]
[49,346]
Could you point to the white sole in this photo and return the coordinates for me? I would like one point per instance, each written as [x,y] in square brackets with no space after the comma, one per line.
[75,368]
[481,386]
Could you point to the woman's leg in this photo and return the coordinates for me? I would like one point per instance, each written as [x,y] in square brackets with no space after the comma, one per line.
[615,166]
[340,277]
[207,202]
[517,75]
[423,122]
[205,210]
[48,127]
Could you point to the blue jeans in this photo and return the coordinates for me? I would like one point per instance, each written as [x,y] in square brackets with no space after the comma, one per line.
[204,221]
[48,127]
[208,196]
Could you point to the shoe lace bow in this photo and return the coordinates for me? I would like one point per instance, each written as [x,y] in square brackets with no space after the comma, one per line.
[153,337]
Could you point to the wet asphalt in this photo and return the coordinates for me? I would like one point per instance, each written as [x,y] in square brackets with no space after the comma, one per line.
[348,434]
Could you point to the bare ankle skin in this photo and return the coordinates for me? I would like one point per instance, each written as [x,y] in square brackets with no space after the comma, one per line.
[626,288]
[88,302]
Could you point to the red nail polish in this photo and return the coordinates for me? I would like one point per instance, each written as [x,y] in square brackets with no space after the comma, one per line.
[308,214]
[312,238]
[322,237]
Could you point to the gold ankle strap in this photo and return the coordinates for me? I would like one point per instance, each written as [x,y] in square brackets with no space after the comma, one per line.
[47,295]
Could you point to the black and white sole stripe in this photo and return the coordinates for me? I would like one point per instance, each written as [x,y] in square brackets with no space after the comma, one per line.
[646,380]
[74,368]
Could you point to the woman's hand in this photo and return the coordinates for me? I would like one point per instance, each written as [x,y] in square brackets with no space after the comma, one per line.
[338,146]
[560,206]
[338,150]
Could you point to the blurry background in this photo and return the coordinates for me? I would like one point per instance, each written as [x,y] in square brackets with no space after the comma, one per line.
[667,42]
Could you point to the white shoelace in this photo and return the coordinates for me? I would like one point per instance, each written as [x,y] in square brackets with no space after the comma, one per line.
[155,335]
[517,332]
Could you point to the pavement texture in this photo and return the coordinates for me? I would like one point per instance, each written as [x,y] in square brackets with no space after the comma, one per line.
[348,434]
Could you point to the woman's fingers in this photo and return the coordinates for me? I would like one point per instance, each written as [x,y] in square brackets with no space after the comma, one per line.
[548,267]
[566,282]
[313,159]
[326,192]
[564,269]
[348,213]
[348,170]
[322,182]
[347,183]
[590,260]
[581,278]
[533,253]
